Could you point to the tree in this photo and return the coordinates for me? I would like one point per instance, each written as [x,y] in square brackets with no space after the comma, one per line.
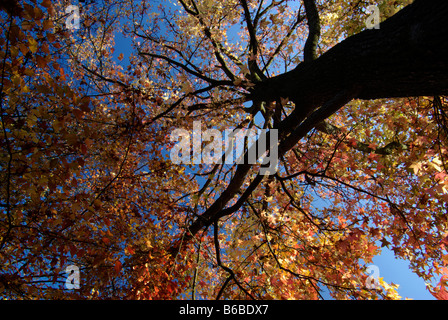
[87,177]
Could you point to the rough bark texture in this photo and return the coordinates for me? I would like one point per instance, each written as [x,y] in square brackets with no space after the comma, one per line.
[407,56]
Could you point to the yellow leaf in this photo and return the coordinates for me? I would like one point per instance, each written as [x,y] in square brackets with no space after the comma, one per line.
[416,166]
[435,163]
[14,52]
[16,79]
[186,87]
[244,69]
[237,82]
[32,44]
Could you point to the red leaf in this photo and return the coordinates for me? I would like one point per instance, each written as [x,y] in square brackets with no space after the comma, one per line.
[445,241]
[46,3]
[129,250]
[83,148]
[118,266]
[78,113]
[441,293]
[41,61]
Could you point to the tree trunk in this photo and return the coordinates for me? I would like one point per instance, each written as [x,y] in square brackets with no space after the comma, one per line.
[407,56]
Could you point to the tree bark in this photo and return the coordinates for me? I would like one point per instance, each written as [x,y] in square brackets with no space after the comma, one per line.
[407,56]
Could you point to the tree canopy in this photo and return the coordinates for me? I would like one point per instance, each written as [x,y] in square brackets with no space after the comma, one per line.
[86,134]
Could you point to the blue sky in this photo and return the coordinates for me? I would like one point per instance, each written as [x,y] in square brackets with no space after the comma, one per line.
[398,272]
[390,268]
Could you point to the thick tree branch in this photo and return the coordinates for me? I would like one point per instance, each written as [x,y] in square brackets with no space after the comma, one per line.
[217,104]
[255,72]
[187,8]
[246,194]
[406,57]
[211,214]
[312,15]
[216,210]
[330,107]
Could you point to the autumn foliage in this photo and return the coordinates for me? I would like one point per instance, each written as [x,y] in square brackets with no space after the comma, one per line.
[86,177]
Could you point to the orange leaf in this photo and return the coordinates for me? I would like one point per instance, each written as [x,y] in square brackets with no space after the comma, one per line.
[41,61]
[129,250]
[445,241]
[118,266]
[46,3]
[78,113]
[48,24]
